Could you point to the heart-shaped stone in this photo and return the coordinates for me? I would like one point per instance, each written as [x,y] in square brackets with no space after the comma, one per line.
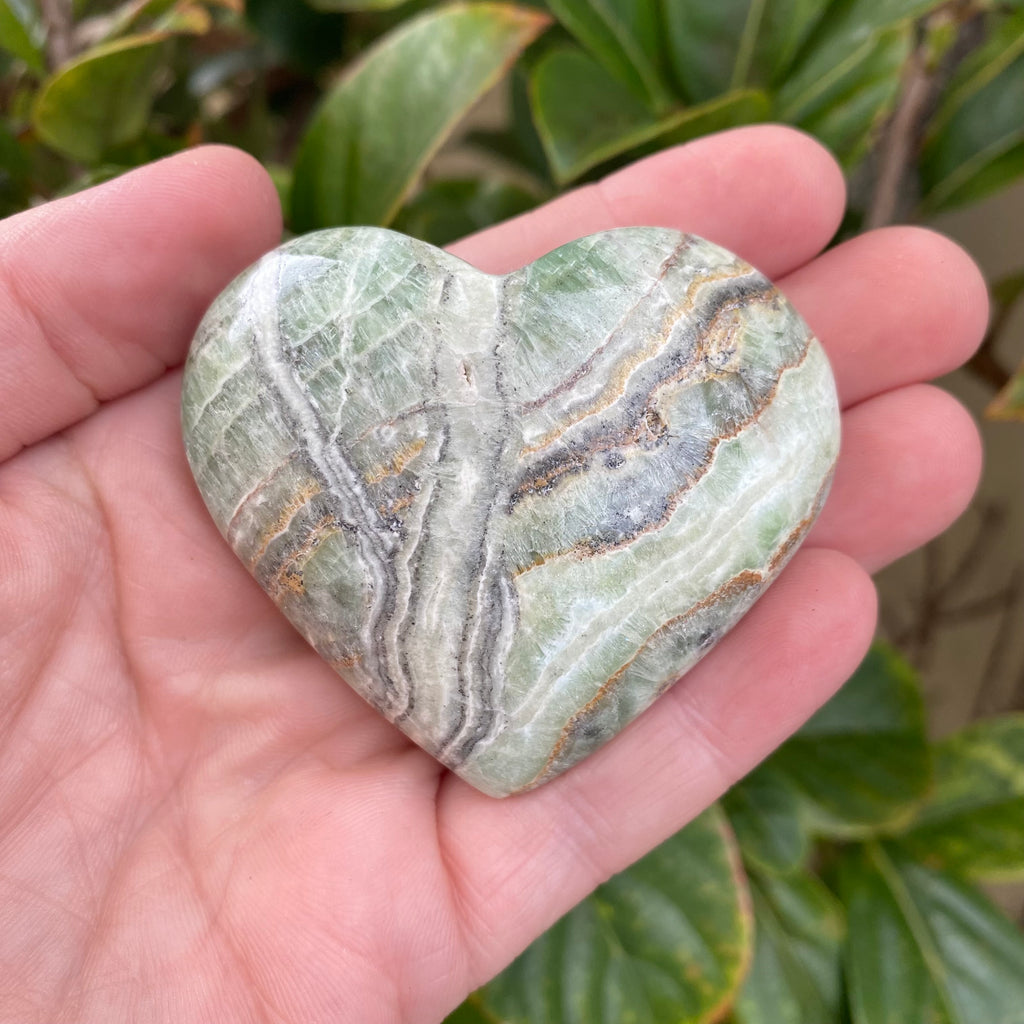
[510,511]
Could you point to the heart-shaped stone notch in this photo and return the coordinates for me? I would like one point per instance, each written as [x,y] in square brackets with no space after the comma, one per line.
[510,511]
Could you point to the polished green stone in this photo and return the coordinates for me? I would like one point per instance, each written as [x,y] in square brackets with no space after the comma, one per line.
[510,511]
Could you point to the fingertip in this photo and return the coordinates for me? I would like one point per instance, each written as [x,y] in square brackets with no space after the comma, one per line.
[818,181]
[910,465]
[238,194]
[958,304]
[771,193]
[103,289]
[893,306]
[952,479]
[838,599]
[768,193]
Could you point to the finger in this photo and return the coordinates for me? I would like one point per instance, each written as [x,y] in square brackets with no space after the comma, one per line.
[528,859]
[910,463]
[101,291]
[892,307]
[771,194]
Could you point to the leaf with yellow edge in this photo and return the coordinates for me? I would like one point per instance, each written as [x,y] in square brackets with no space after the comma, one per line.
[102,99]
[1009,403]
[378,128]
[668,939]
[973,820]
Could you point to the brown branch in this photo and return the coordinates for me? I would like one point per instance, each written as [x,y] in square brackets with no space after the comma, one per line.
[1017,698]
[985,366]
[930,604]
[981,607]
[928,68]
[1004,633]
[899,144]
[57,18]
[993,519]
[939,587]
[891,622]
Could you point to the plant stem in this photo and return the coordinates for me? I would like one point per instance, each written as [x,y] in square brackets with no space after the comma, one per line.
[57,18]
[900,141]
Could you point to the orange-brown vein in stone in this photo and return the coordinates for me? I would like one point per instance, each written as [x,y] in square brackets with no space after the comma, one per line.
[400,503]
[730,588]
[403,414]
[396,463]
[289,576]
[721,328]
[737,584]
[587,365]
[618,380]
[295,505]
[586,548]
[258,489]
[796,535]
[644,425]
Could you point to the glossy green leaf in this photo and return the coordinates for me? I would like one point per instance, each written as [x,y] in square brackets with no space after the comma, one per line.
[796,974]
[764,812]
[730,44]
[378,128]
[847,78]
[447,210]
[926,946]
[862,762]
[666,940]
[973,821]
[523,127]
[585,116]
[625,37]
[101,100]
[842,40]
[887,971]
[976,142]
[850,117]
[22,32]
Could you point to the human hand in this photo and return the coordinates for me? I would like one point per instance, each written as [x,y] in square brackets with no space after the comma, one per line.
[198,821]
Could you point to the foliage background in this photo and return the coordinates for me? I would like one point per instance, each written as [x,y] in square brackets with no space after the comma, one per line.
[839,882]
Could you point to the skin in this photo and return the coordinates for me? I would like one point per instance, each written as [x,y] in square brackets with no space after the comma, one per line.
[198,821]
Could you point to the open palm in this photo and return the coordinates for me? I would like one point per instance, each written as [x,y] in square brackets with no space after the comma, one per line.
[198,820]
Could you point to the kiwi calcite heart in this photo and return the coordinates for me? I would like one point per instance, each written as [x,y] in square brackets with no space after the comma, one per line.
[510,511]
